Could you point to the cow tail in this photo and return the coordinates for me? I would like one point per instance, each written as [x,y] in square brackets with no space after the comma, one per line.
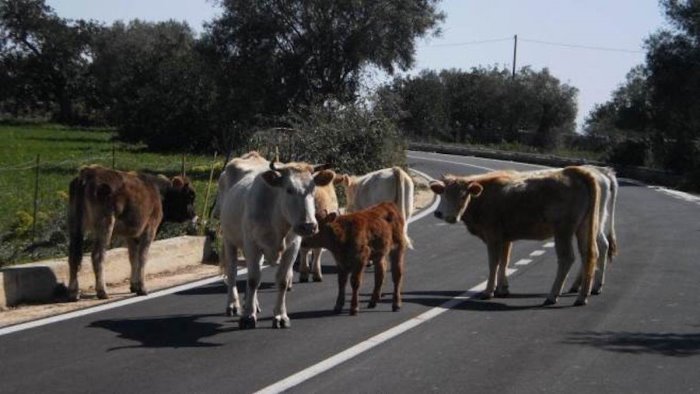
[76,212]
[594,221]
[612,238]
[404,200]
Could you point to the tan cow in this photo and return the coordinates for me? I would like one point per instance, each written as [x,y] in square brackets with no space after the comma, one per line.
[505,206]
[106,202]
[354,239]
[388,184]
[326,202]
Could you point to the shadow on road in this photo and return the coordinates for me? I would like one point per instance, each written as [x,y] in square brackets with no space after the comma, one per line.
[667,344]
[161,332]
[437,298]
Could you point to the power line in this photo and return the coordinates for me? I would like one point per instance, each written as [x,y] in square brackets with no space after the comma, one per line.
[459,44]
[594,48]
[541,42]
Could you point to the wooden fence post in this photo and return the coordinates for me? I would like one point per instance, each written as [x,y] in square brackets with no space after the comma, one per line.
[36,197]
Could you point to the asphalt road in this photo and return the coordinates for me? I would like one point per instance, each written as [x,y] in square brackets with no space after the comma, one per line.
[641,335]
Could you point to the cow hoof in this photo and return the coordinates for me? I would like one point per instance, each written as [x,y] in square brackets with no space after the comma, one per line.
[141,292]
[231,311]
[353,312]
[132,288]
[372,304]
[484,295]
[548,302]
[289,288]
[247,323]
[74,295]
[318,278]
[597,291]
[573,289]
[501,293]
[281,322]
[395,308]
[337,309]
[580,302]
[303,278]
[101,294]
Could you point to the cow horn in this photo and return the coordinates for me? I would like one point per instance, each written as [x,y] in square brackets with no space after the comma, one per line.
[321,167]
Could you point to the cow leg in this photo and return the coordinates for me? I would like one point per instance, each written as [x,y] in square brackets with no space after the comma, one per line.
[253,258]
[603,247]
[355,282]
[102,239]
[565,258]
[397,268]
[304,265]
[494,251]
[316,270]
[342,282]
[74,263]
[230,259]
[132,246]
[284,280]
[502,287]
[143,248]
[589,260]
[379,272]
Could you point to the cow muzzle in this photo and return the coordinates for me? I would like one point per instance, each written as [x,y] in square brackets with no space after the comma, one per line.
[306,229]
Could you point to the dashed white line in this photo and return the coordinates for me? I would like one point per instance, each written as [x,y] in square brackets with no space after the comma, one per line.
[548,245]
[523,262]
[537,253]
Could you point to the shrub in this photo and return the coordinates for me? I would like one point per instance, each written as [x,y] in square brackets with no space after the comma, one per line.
[630,153]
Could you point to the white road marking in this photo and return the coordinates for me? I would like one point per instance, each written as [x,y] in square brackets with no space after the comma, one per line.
[548,245]
[370,343]
[537,253]
[451,162]
[523,262]
[111,305]
[478,158]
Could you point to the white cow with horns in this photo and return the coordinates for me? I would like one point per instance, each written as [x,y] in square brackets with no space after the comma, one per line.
[265,213]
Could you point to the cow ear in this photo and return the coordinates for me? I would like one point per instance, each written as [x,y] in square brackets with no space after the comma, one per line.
[273,178]
[475,189]
[339,179]
[324,177]
[177,182]
[437,187]
[331,217]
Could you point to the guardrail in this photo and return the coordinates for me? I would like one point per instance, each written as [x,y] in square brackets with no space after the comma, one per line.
[644,174]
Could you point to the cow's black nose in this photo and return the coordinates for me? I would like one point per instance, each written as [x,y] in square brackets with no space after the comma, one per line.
[438,214]
[307,229]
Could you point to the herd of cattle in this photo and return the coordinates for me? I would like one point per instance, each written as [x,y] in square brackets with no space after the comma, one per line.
[278,211]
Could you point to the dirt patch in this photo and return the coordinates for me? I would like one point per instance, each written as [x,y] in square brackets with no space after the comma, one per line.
[423,197]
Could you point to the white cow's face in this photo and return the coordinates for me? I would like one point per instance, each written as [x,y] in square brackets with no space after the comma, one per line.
[455,196]
[296,194]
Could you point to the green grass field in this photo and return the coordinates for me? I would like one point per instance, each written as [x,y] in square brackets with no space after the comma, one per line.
[62,151]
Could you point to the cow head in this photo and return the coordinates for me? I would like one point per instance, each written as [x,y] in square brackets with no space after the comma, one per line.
[295,183]
[178,201]
[323,238]
[456,194]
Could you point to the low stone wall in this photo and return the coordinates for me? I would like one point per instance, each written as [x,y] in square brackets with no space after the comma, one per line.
[644,174]
[38,282]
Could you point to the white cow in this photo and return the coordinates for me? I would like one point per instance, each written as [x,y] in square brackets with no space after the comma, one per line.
[265,213]
[607,240]
[388,184]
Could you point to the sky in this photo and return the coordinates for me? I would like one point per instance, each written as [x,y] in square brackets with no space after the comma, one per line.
[617,28]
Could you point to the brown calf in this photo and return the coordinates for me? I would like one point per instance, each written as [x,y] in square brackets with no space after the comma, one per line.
[104,202]
[355,239]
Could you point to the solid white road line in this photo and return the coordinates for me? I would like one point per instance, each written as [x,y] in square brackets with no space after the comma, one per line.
[370,343]
[111,305]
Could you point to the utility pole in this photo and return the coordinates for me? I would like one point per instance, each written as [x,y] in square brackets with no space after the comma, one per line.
[515,53]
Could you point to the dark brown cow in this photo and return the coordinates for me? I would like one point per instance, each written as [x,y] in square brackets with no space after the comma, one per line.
[104,202]
[355,239]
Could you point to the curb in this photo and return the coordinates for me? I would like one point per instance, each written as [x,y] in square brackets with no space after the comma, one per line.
[39,282]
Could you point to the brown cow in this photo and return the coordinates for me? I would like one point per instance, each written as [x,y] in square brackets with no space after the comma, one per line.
[356,238]
[104,202]
[505,206]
